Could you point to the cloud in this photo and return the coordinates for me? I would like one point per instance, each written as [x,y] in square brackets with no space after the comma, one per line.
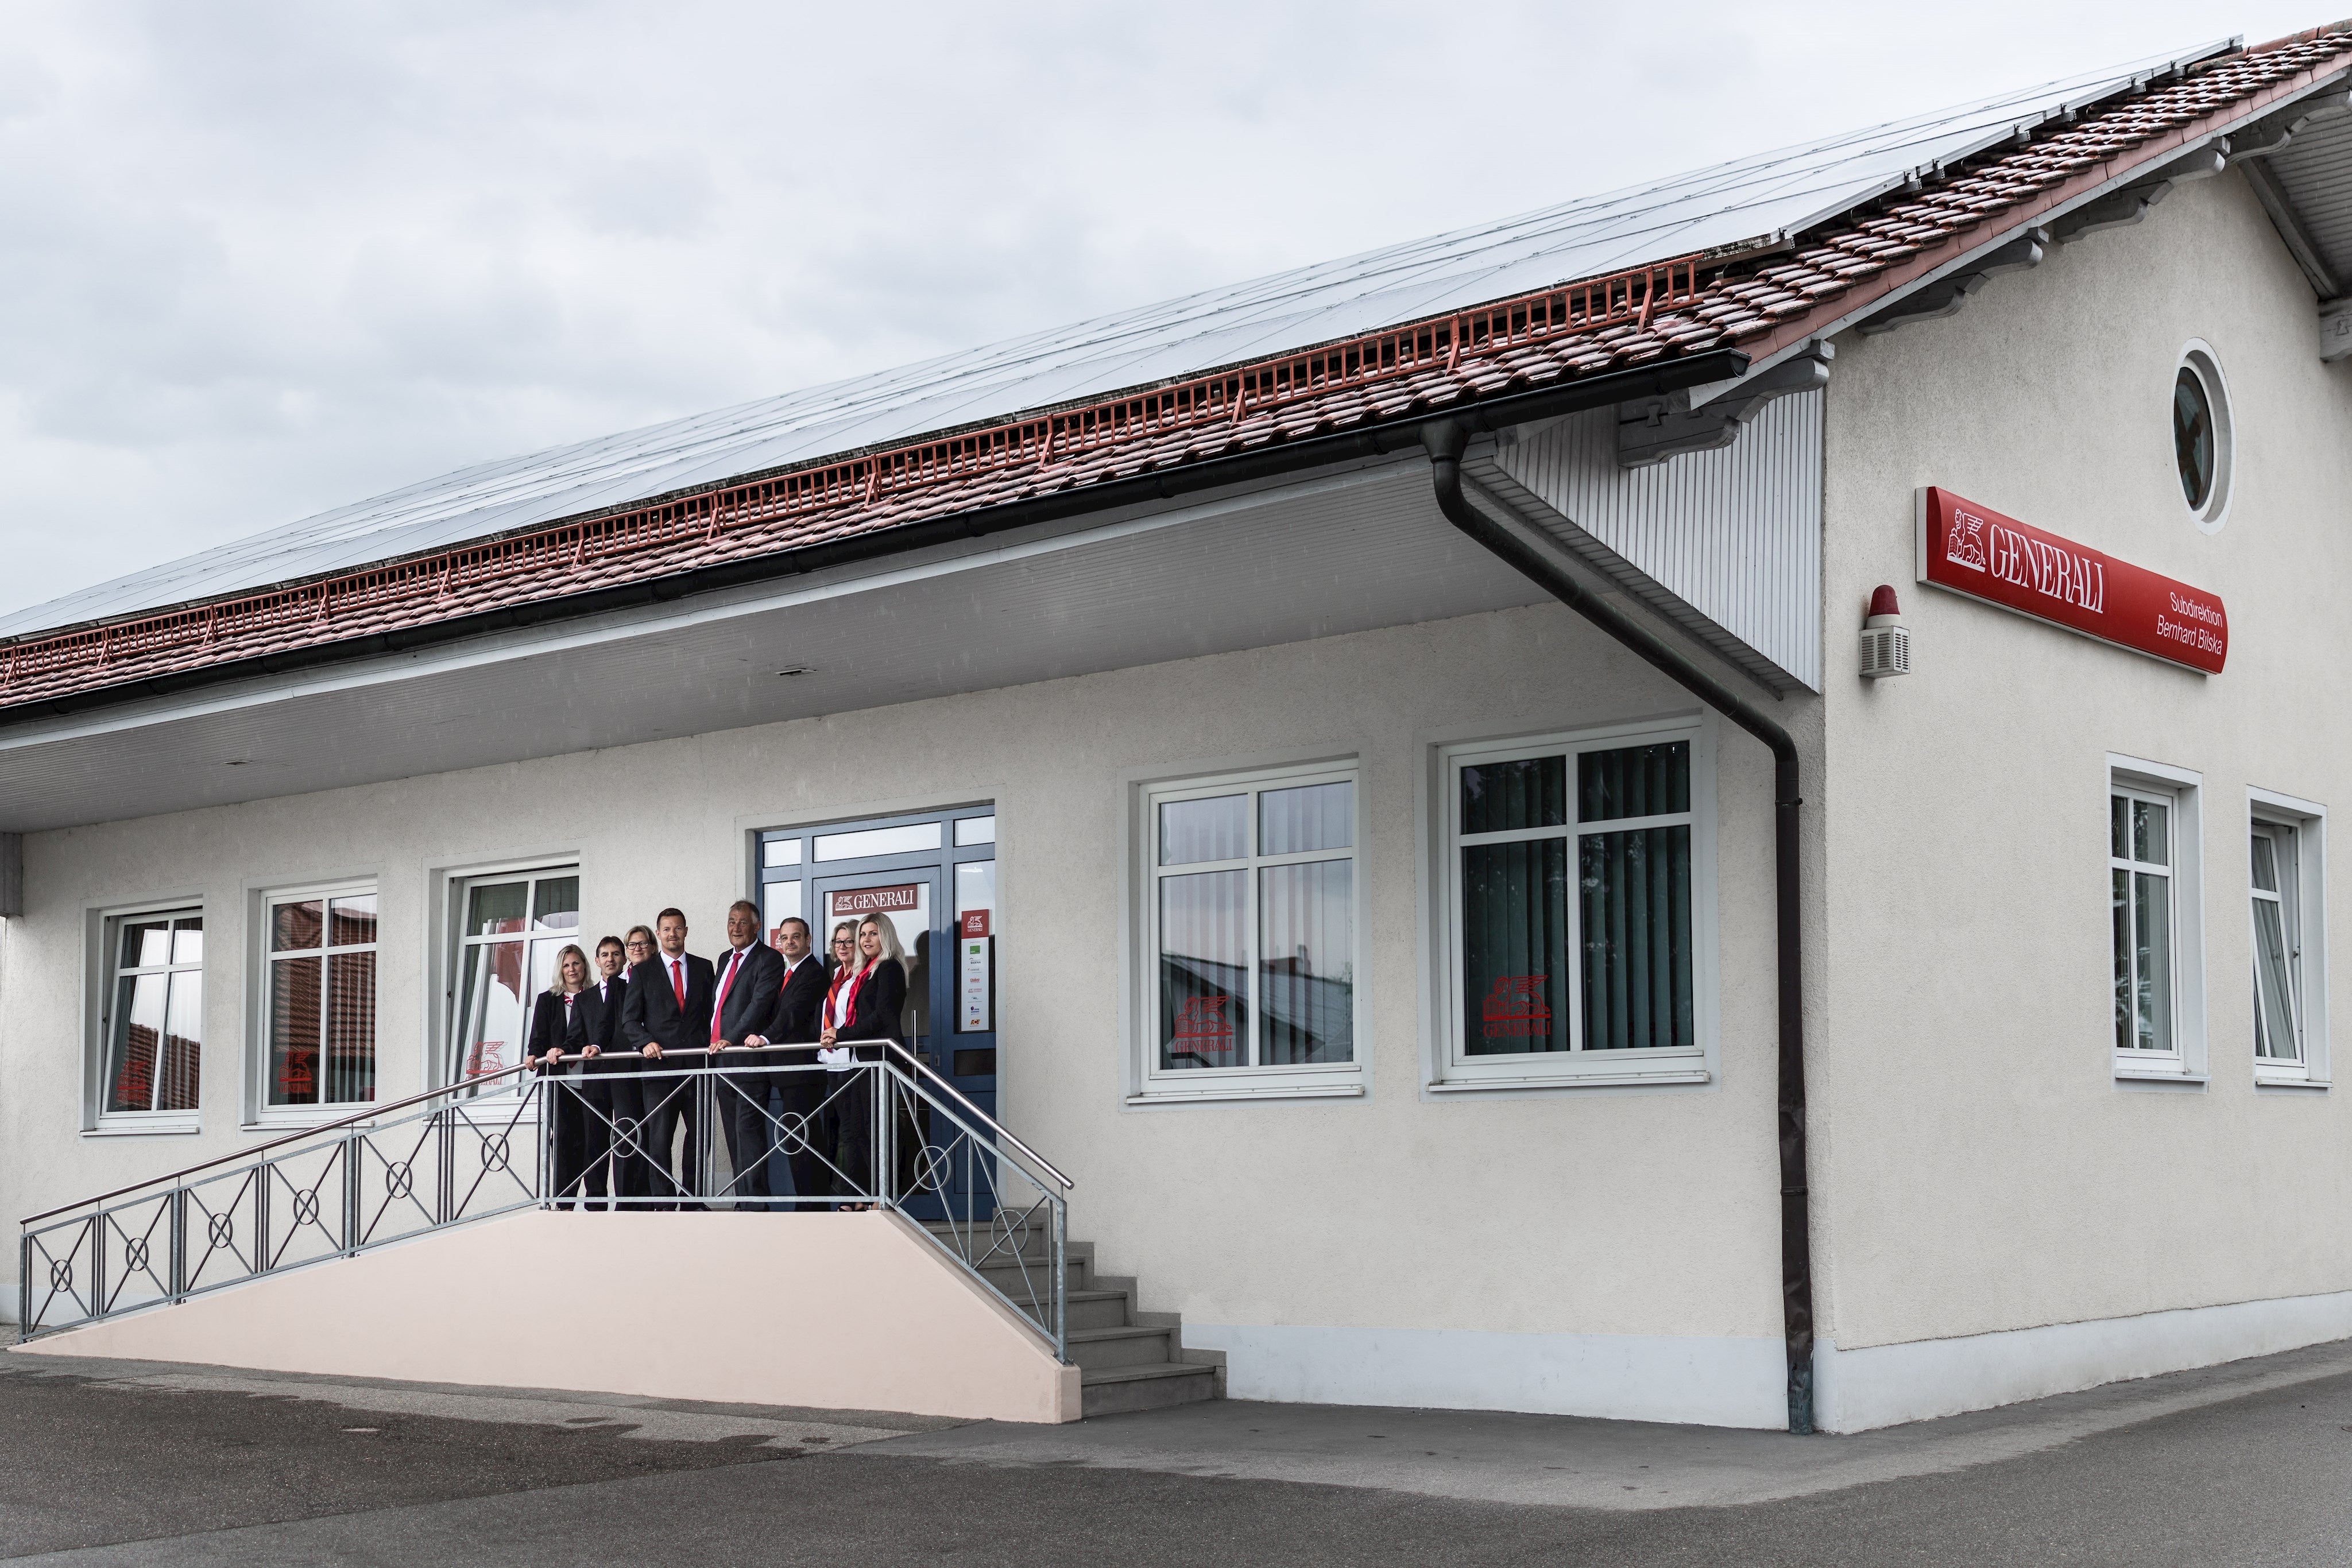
[263,259]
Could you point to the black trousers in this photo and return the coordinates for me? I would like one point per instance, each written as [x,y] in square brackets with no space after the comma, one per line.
[801,1146]
[848,1125]
[668,1106]
[746,1104]
[581,1137]
[632,1171]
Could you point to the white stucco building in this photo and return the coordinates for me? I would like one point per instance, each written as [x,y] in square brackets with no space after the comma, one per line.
[1347,698]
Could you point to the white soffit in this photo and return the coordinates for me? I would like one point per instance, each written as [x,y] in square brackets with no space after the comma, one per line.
[2314,173]
[1728,204]
[1351,552]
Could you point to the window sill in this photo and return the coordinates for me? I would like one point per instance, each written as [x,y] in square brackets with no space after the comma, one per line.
[1230,1092]
[142,1127]
[1571,1080]
[2131,1072]
[2287,1080]
[283,1121]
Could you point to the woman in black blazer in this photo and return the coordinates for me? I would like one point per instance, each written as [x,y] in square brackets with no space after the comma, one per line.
[865,1003]
[558,1030]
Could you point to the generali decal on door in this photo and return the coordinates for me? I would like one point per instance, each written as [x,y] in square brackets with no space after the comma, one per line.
[1975,550]
[875,901]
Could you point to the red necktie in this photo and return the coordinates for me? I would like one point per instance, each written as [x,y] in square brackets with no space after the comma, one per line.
[719,1006]
[678,982]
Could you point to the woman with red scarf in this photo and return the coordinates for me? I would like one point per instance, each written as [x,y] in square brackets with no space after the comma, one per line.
[865,1003]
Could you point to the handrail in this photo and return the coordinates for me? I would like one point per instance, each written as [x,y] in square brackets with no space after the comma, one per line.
[917,1062]
[370,1114]
[925,1069]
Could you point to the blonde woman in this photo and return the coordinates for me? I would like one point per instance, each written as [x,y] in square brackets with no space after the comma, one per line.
[558,1030]
[865,1002]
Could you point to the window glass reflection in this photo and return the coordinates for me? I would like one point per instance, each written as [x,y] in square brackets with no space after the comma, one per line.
[555,907]
[296,926]
[975,830]
[1192,831]
[354,921]
[1500,797]
[1205,970]
[497,909]
[1311,817]
[1307,941]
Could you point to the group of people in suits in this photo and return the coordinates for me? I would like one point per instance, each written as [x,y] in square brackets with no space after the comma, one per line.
[651,1009]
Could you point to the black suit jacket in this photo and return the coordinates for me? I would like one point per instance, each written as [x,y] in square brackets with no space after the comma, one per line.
[600,1025]
[880,1002]
[798,1017]
[550,1029]
[750,1005]
[650,1014]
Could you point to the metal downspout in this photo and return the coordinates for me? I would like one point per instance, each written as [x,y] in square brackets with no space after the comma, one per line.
[1446,440]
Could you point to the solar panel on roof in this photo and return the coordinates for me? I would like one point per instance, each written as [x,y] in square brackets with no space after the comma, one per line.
[1765,194]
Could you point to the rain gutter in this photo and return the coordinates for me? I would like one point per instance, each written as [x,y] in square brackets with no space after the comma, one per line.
[1446,440]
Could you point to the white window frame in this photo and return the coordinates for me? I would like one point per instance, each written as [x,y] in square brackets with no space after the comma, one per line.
[2182,790]
[443,1070]
[265,900]
[1451,1068]
[1151,1084]
[105,928]
[2306,886]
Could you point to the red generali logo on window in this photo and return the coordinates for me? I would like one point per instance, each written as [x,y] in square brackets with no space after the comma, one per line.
[1515,1008]
[1204,1017]
[875,900]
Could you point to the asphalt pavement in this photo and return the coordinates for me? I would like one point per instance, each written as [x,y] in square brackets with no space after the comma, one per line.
[136,1463]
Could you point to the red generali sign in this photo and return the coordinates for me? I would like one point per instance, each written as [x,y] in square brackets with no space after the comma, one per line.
[1975,550]
[875,900]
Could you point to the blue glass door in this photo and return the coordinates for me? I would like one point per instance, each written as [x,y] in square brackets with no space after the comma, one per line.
[932,876]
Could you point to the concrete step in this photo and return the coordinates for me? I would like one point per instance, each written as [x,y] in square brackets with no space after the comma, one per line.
[1129,1345]
[1097,1309]
[1016,1281]
[1117,1390]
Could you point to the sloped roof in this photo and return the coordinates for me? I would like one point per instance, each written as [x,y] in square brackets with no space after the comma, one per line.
[1924,182]
[1762,196]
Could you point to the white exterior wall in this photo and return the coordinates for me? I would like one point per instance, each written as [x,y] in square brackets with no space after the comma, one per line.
[1978,1169]
[1605,1251]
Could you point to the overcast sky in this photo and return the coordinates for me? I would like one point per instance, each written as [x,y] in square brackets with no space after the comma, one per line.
[258,260]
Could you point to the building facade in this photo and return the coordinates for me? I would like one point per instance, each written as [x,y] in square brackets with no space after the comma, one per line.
[1391,954]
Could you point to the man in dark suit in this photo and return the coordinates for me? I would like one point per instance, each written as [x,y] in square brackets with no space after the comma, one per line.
[791,1098]
[666,1010]
[749,974]
[598,1015]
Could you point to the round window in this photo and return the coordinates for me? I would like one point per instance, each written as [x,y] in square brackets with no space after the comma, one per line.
[2192,437]
[2201,435]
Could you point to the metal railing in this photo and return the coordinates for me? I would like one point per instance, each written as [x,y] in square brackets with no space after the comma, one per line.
[889,1134]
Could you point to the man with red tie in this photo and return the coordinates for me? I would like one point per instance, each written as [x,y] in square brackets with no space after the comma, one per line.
[666,1007]
[751,977]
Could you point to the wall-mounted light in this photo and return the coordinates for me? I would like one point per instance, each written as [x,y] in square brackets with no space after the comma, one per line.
[1885,644]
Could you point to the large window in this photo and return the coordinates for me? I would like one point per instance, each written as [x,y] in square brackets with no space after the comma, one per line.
[515,924]
[1574,882]
[320,989]
[151,1021]
[1250,892]
[2156,930]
